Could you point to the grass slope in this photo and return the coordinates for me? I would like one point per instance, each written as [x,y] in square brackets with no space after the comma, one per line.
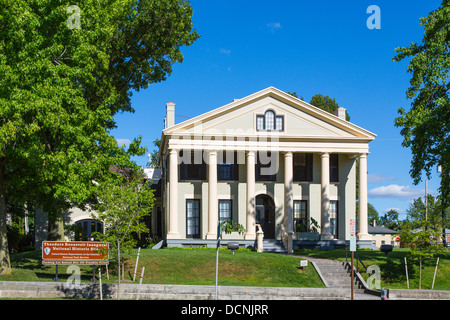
[392,267]
[185,266]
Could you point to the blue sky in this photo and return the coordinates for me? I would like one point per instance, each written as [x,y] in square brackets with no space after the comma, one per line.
[307,47]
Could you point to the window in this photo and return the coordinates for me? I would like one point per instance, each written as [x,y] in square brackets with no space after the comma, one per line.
[269,122]
[279,124]
[192,218]
[334,167]
[303,167]
[334,218]
[300,223]
[260,123]
[225,213]
[85,229]
[226,169]
[192,170]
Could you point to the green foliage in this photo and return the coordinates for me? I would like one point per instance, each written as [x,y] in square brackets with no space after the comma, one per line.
[422,241]
[326,103]
[61,86]
[123,201]
[390,220]
[417,212]
[153,161]
[230,226]
[426,125]
[309,226]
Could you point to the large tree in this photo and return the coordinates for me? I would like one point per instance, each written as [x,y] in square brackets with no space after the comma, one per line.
[65,71]
[326,103]
[390,220]
[426,126]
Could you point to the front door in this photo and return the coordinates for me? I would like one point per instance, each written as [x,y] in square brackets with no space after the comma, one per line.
[265,215]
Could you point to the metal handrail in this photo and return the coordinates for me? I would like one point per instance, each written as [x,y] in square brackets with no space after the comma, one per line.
[357,259]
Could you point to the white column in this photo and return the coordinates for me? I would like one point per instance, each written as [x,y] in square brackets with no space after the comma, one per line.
[289,197]
[213,212]
[325,199]
[173,195]
[288,193]
[251,200]
[363,233]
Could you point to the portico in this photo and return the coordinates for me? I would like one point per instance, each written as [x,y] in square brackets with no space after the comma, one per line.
[269,143]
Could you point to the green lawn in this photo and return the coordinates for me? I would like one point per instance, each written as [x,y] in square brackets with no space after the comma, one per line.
[392,267]
[244,268]
[184,266]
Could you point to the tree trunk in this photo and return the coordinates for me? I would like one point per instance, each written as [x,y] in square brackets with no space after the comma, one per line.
[55,226]
[5,265]
[118,265]
[420,273]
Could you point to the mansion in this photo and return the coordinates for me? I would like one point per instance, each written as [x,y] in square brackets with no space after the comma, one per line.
[268,162]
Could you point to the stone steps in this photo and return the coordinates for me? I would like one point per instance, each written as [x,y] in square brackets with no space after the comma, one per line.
[273,246]
[336,275]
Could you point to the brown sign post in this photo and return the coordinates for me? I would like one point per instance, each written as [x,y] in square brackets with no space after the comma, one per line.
[352,249]
[75,252]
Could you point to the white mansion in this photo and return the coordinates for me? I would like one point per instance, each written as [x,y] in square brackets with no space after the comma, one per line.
[269,162]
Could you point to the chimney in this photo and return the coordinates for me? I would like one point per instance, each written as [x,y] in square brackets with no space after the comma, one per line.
[374,224]
[170,115]
[340,113]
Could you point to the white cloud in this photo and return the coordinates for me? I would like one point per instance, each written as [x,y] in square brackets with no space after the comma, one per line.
[225,51]
[121,142]
[396,191]
[273,26]
[376,178]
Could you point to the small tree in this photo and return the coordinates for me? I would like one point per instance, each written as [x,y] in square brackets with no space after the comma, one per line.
[423,241]
[123,201]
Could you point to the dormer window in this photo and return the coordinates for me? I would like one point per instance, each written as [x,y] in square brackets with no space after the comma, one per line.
[269,122]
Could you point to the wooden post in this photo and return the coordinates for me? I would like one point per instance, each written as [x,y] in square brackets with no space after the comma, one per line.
[420,273]
[406,269]
[352,275]
[137,261]
[100,282]
[140,283]
[435,270]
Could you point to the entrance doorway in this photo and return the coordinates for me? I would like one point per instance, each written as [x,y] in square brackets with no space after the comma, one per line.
[265,215]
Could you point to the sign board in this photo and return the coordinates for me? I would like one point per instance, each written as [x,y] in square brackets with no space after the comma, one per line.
[75,252]
[353,243]
[303,263]
[352,227]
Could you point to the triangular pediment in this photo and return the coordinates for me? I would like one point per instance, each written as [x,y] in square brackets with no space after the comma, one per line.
[299,120]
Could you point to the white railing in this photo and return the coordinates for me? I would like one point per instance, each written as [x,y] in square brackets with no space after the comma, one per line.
[286,238]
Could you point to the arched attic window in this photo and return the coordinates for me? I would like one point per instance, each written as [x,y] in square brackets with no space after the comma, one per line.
[269,121]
